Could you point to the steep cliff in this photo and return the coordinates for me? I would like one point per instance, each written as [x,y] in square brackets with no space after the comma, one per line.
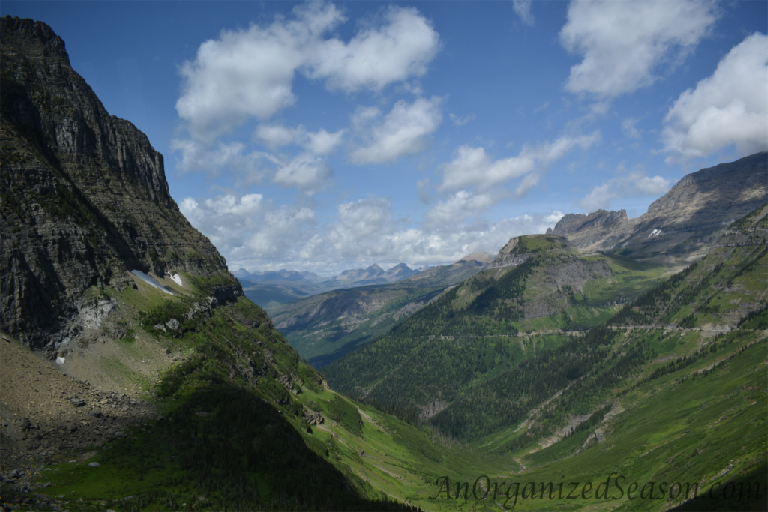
[691,216]
[84,195]
[597,230]
[686,222]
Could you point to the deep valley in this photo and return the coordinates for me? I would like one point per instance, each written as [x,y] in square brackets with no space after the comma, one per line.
[607,364]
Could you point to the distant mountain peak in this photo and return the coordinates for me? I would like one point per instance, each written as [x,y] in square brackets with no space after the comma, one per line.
[683,220]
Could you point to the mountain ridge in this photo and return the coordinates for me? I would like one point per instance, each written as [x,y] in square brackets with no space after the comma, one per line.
[683,221]
[184,387]
[82,172]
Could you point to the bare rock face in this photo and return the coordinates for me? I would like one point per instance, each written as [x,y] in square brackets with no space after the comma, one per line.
[598,230]
[84,193]
[510,255]
[685,221]
[699,207]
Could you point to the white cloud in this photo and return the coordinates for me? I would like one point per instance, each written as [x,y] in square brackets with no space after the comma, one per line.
[553,218]
[399,46]
[323,143]
[305,171]
[249,73]
[461,121]
[626,184]
[251,233]
[275,136]
[319,143]
[246,73]
[457,208]
[728,108]
[280,235]
[527,183]
[249,228]
[224,219]
[624,42]
[221,157]
[472,167]
[401,132]
[629,128]
[523,9]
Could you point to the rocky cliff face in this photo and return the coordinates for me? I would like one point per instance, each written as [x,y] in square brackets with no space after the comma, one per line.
[685,222]
[594,231]
[84,195]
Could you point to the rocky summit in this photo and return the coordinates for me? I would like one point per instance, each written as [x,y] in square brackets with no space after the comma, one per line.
[685,222]
[127,349]
[84,196]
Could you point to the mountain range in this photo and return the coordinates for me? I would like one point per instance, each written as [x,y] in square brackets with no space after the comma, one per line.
[272,288]
[324,327]
[615,363]
[681,225]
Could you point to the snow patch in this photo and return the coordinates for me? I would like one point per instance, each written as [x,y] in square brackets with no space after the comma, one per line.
[655,232]
[59,360]
[177,279]
[150,281]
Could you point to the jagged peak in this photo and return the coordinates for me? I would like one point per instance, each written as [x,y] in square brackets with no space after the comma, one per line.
[24,30]
[103,138]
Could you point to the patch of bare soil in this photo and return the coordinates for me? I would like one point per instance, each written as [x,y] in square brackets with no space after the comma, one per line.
[46,415]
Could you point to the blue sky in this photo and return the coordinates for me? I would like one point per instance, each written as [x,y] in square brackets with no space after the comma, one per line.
[324,136]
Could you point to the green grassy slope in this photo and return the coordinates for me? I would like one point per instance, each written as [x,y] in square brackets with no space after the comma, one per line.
[649,405]
[464,341]
[653,404]
[234,431]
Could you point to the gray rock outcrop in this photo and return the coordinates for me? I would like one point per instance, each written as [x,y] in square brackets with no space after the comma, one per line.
[685,222]
[84,194]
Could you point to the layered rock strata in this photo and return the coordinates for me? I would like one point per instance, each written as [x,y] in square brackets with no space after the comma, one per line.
[84,194]
[685,222]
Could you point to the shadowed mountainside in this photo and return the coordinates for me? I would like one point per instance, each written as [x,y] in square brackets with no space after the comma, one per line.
[84,195]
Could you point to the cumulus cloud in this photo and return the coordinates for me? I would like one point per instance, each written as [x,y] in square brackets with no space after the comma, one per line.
[457,208]
[251,233]
[322,142]
[473,167]
[623,42]
[360,227]
[626,184]
[221,157]
[319,143]
[728,108]
[224,219]
[305,171]
[250,228]
[403,131]
[523,9]
[399,45]
[275,136]
[280,234]
[249,73]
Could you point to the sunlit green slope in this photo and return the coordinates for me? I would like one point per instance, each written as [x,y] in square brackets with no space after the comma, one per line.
[491,322]
[647,404]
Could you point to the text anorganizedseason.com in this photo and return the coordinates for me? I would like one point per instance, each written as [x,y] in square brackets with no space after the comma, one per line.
[614,487]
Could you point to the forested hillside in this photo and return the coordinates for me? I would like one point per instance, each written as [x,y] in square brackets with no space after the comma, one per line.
[325,327]
[469,381]
[489,323]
